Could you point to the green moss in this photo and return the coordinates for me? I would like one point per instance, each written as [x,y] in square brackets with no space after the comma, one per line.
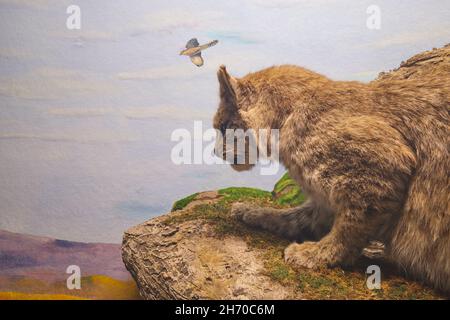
[214,212]
[243,193]
[283,183]
[293,197]
[287,192]
[280,272]
[182,203]
[317,282]
[398,291]
[276,268]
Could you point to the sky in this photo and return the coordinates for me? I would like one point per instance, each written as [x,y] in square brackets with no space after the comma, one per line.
[86,115]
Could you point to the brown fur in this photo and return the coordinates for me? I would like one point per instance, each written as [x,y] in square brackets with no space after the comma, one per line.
[373,159]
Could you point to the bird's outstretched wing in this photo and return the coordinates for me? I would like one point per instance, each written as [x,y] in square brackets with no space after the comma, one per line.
[192,43]
[210,44]
[197,59]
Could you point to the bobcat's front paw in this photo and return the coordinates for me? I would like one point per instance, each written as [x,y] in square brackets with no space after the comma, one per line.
[239,209]
[308,255]
[250,215]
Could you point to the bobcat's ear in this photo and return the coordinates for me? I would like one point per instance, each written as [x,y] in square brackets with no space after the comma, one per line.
[229,86]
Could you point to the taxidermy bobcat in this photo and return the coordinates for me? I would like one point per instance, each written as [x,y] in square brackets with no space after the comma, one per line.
[372,158]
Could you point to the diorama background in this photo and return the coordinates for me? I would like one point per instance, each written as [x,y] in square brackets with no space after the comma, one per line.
[86,115]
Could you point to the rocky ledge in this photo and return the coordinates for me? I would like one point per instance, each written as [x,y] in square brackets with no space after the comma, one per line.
[199,251]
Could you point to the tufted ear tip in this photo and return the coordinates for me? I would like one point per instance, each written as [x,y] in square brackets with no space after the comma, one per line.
[228,86]
[222,72]
[228,83]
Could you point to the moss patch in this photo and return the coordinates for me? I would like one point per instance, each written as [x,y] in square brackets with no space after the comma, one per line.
[182,203]
[243,193]
[212,212]
[287,192]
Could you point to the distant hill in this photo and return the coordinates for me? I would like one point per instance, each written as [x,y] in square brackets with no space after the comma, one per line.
[47,259]
[34,267]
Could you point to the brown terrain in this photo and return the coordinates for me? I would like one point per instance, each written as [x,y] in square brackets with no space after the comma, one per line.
[34,267]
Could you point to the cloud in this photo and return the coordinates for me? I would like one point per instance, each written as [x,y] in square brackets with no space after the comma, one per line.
[234,37]
[14,53]
[28,3]
[164,112]
[80,112]
[242,60]
[100,131]
[216,24]
[171,20]
[139,208]
[276,3]
[365,76]
[181,70]
[290,3]
[81,36]
[131,113]
[79,137]
[412,38]
[53,83]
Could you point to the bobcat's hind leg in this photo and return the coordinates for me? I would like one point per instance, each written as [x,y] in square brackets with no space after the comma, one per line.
[351,232]
[366,210]
[306,222]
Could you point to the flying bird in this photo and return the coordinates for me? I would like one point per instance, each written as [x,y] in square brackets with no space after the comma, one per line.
[194,50]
